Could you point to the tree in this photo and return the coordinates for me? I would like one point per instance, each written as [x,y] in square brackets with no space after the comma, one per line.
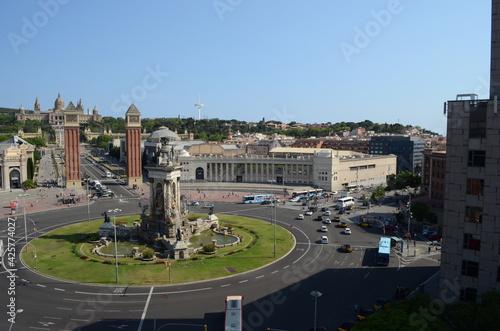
[30,168]
[378,194]
[37,141]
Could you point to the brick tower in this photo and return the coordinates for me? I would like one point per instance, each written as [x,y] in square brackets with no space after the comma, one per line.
[133,149]
[72,148]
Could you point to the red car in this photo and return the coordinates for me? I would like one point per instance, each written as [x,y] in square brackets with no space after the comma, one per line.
[436,237]
[390,227]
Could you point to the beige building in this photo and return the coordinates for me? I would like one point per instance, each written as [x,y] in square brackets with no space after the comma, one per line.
[55,116]
[14,155]
[324,169]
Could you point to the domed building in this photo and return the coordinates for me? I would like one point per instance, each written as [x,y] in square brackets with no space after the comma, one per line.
[55,116]
[153,143]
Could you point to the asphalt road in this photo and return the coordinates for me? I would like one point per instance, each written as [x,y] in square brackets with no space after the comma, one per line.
[276,296]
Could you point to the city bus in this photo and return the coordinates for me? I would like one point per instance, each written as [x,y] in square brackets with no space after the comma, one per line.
[351,188]
[384,251]
[317,191]
[345,202]
[258,198]
[233,320]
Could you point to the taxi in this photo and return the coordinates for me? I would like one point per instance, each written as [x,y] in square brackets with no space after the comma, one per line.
[346,248]
[343,225]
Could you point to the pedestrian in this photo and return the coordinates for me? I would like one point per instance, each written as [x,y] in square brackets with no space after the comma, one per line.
[429,250]
[414,243]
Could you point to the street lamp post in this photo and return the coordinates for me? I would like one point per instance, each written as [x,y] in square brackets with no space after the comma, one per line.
[24,195]
[15,316]
[273,216]
[316,295]
[114,211]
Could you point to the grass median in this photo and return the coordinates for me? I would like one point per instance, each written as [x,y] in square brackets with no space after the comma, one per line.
[66,253]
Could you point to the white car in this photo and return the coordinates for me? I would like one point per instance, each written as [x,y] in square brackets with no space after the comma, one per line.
[327,221]
[309,213]
[300,217]
[327,213]
[324,240]
[323,229]
[347,231]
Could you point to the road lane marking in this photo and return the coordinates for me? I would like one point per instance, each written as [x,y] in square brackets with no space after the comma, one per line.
[273,272]
[243,281]
[63,308]
[259,276]
[145,309]
[54,318]
[41,285]
[225,285]
[145,293]
[59,289]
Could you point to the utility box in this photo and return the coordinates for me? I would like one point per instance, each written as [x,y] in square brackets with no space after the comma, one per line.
[417,252]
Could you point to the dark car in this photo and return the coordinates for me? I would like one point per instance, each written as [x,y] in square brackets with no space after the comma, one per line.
[324,209]
[381,304]
[346,326]
[364,313]
[266,202]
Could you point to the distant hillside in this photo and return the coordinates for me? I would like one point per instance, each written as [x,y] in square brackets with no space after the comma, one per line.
[8,110]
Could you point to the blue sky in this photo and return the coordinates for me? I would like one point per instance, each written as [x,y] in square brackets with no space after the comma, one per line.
[305,61]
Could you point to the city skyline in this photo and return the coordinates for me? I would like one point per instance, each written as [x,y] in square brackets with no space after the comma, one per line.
[384,61]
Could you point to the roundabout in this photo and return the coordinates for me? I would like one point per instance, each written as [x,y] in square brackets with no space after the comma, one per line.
[68,253]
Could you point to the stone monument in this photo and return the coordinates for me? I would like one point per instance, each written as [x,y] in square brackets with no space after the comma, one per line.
[166,225]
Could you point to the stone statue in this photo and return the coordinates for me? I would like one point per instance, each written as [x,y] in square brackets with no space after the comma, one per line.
[164,141]
[179,235]
[144,208]
[106,217]
[211,211]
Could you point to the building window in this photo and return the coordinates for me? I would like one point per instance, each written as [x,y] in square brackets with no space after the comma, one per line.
[470,268]
[475,186]
[472,241]
[477,123]
[476,158]
[468,294]
[473,214]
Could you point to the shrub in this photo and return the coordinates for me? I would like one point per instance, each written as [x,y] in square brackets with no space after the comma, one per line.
[84,257]
[209,248]
[106,262]
[148,253]
[194,258]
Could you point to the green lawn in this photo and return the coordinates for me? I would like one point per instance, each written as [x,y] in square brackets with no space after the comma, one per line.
[59,254]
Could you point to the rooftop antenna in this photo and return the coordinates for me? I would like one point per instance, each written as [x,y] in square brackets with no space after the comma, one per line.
[199,105]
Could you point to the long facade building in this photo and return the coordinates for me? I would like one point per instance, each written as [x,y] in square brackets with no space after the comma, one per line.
[326,169]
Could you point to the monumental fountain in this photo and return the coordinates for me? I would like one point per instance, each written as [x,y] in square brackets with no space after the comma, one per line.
[167,226]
